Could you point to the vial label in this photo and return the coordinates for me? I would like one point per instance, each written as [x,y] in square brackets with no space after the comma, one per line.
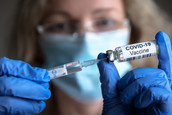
[139,50]
[58,72]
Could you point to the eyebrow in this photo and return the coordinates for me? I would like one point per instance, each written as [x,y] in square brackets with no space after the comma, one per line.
[59,13]
[102,10]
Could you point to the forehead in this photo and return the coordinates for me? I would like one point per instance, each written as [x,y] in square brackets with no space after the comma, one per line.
[80,8]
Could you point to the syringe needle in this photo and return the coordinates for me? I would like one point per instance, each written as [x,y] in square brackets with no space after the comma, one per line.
[91,62]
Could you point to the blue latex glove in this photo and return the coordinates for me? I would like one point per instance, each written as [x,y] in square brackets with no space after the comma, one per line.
[22,88]
[141,91]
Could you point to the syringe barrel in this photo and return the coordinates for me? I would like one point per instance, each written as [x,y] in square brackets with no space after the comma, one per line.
[134,51]
[65,69]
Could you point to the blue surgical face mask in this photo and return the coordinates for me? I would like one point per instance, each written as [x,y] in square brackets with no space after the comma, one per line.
[61,49]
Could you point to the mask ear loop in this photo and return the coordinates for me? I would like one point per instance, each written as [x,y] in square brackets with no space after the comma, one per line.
[126,21]
[40,29]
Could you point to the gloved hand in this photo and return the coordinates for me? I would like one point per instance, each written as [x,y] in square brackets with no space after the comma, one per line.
[22,88]
[141,91]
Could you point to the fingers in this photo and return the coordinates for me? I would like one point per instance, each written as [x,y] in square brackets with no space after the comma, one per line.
[19,106]
[136,74]
[155,95]
[165,54]
[22,87]
[23,70]
[139,80]
[109,77]
[19,87]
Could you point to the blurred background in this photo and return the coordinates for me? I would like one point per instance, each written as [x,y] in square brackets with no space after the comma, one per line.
[8,10]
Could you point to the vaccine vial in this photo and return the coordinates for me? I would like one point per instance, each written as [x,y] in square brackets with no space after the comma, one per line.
[133,51]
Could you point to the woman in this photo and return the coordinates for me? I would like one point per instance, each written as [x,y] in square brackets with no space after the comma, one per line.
[36,22]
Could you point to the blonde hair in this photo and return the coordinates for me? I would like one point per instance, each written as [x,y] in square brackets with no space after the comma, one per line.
[144,16]
[25,44]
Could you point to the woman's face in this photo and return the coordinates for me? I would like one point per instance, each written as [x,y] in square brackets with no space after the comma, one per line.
[70,16]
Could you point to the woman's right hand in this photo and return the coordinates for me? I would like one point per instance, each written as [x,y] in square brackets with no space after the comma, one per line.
[22,87]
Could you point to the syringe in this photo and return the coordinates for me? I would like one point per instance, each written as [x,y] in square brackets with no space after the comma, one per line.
[70,68]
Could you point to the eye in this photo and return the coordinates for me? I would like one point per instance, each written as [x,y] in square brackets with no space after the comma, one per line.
[58,27]
[105,23]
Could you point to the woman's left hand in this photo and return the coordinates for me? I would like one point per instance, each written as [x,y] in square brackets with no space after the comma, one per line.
[141,91]
[147,90]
